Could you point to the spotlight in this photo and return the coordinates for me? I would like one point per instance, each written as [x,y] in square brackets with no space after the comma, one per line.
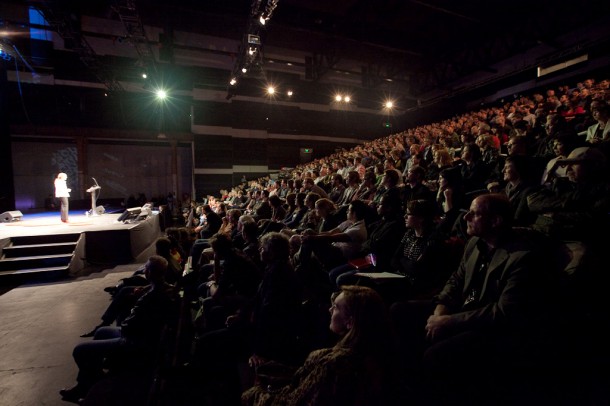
[251,51]
[270,90]
[244,70]
[233,81]
[347,99]
[389,104]
[262,20]
[338,98]
[289,93]
[161,94]
[144,76]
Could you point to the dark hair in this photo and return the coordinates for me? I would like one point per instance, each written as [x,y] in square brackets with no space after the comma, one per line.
[522,165]
[453,176]
[163,246]
[221,243]
[275,201]
[422,208]
[392,176]
[250,230]
[300,199]
[359,208]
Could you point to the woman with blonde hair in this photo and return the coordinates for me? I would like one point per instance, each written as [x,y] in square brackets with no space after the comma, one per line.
[358,370]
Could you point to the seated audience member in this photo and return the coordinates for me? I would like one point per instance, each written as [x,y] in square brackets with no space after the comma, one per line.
[358,370]
[329,218]
[518,186]
[337,246]
[389,185]
[576,209]
[212,223]
[491,309]
[422,255]
[233,282]
[599,132]
[414,186]
[449,199]
[278,212]
[563,144]
[129,290]
[298,213]
[262,210]
[474,171]
[311,219]
[310,186]
[367,189]
[353,183]
[383,239]
[140,332]
[338,188]
[264,329]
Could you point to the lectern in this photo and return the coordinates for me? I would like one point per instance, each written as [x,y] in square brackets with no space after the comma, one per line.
[94,190]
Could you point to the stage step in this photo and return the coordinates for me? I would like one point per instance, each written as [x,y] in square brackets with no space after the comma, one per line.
[38,257]
[57,270]
[13,251]
[39,261]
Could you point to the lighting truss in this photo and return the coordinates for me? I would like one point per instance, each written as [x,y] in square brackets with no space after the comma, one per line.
[249,61]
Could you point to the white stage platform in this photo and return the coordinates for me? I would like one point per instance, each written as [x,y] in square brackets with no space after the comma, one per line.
[107,241]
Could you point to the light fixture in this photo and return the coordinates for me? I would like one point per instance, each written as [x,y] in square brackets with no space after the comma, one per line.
[270,90]
[161,94]
[289,93]
[233,81]
[347,99]
[244,70]
[144,75]
[262,20]
[251,51]
[338,98]
[389,104]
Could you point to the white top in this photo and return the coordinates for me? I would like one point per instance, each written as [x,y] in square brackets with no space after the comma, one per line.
[61,188]
[358,235]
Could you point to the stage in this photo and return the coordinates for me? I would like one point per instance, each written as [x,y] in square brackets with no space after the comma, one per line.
[106,239]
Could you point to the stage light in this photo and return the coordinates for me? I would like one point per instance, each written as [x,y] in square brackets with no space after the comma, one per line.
[289,93]
[251,51]
[347,99]
[144,76]
[244,70]
[338,98]
[389,104]
[262,20]
[270,90]
[233,81]
[161,94]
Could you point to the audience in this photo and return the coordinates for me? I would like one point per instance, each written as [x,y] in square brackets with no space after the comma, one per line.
[456,322]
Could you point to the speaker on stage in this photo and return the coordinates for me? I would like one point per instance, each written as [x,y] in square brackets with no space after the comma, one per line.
[8,216]
[130,214]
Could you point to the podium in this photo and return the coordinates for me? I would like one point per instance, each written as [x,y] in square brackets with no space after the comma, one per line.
[95,211]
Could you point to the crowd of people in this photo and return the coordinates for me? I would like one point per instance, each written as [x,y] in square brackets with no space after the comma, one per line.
[444,252]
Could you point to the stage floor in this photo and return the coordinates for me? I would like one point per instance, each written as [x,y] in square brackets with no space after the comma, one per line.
[50,223]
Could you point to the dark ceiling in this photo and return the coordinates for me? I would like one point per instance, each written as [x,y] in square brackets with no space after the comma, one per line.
[425,49]
[423,44]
